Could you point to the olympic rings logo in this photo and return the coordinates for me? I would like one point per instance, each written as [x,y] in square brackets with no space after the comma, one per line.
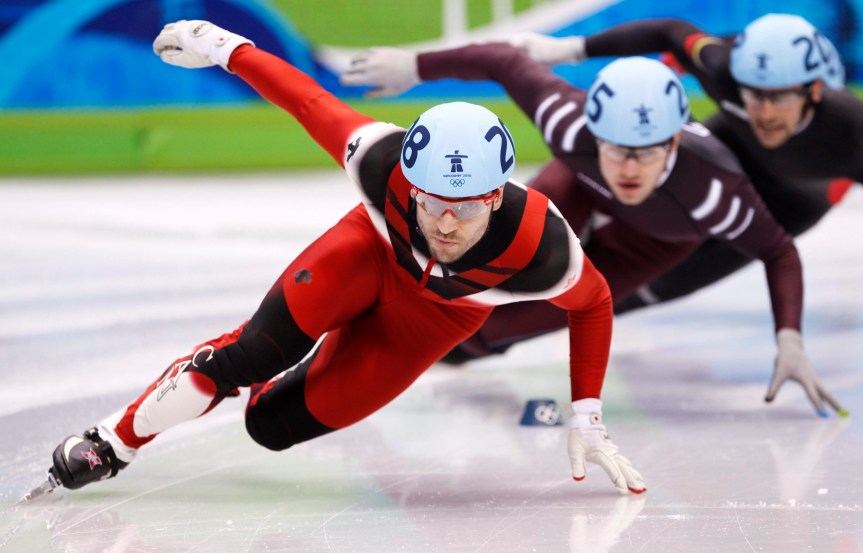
[457,182]
[547,414]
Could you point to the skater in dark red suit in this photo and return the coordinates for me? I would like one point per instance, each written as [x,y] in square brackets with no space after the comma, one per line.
[441,237]
[642,185]
[783,110]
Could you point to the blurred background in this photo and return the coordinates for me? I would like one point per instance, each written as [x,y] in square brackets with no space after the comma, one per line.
[82,93]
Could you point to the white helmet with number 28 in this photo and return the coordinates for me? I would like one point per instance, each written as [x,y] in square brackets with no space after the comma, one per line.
[458,150]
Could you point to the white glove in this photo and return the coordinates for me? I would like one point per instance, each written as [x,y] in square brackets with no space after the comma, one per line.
[792,364]
[588,441]
[194,44]
[390,71]
[550,50]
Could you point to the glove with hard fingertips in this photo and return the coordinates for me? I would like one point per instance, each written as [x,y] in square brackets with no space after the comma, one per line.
[549,50]
[793,364]
[589,442]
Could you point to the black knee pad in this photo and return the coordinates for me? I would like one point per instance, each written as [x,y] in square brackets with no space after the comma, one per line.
[280,417]
[270,343]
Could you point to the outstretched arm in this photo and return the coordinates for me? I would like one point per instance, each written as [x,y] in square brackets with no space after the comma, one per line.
[643,37]
[760,236]
[327,119]
[650,36]
[589,307]
[784,278]
[195,44]
[588,302]
[392,71]
[697,52]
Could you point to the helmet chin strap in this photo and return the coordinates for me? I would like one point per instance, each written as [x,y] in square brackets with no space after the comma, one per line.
[807,112]
[670,162]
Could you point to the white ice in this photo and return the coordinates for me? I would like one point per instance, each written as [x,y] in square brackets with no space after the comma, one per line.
[104,281]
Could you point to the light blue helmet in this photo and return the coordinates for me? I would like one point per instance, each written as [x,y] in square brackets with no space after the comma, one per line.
[783,50]
[834,69]
[636,102]
[458,150]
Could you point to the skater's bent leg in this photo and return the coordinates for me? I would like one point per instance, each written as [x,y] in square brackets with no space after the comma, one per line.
[358,368]
[624,256]
[507,325]
[277,416]
[292,316]
[195,383]
[628,258]
[710,263]
[515,322]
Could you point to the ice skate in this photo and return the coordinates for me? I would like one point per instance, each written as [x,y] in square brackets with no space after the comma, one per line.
[78,461]
[81,460]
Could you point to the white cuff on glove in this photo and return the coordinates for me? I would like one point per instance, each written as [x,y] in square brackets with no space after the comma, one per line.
[589,442]
[389,71]
[585,413]
[550,50]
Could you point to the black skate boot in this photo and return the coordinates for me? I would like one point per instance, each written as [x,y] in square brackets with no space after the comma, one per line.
[80,460]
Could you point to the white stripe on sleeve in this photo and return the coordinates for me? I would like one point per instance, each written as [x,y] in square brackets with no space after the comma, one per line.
[710,203]
[729,218]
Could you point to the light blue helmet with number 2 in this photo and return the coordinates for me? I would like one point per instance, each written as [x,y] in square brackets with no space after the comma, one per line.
[457,150]
[783,50]
[636,102]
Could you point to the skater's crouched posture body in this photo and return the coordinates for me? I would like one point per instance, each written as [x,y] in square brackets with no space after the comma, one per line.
[441,237]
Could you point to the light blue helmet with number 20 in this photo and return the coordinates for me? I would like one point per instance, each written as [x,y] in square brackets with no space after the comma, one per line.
[457,150]
[782,50]
[636,102]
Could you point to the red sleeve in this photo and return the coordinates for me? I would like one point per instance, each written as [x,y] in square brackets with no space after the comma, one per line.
[326,118]
[590,312]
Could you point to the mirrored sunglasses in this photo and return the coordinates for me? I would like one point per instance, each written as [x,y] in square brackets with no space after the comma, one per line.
[461,208]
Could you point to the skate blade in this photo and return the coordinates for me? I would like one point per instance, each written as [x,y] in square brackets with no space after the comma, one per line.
[48,486]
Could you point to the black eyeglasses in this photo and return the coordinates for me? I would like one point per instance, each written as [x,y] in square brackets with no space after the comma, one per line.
[644,155]
[779,98]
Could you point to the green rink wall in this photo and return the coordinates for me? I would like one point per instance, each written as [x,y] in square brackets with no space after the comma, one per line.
[255,137]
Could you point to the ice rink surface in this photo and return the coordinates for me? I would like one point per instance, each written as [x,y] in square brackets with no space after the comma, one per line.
[104,282]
